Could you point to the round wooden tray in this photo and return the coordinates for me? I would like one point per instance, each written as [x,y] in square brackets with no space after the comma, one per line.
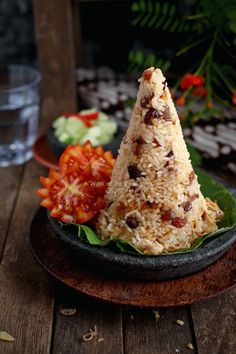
[43,154]
[60,263]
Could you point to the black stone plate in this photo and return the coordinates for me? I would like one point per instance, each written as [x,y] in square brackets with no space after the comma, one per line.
[58,147]
[150,268]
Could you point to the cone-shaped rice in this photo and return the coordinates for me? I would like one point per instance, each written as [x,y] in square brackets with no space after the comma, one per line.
[154,200]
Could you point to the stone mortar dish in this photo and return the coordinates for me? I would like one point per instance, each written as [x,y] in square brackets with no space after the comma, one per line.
[111,262]
[58,147]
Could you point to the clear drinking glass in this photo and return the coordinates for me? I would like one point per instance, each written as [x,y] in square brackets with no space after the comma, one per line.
[19,113]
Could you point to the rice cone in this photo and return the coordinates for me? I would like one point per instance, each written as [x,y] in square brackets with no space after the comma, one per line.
[154,199]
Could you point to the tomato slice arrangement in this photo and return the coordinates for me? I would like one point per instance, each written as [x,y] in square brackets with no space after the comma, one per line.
[75,193]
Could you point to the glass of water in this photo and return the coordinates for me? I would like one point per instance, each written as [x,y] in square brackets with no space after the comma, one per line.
[19,113]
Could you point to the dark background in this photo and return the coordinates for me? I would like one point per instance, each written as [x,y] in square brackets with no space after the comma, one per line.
[17,44]
[107,33]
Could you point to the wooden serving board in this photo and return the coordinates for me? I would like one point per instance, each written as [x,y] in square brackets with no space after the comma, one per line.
[60,263]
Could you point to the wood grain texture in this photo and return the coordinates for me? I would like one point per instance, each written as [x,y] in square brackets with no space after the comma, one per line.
[10,178]
[79,53]
[26,298]
[56,57]
[144,335]
[215,324]
[69,330]
[25,293]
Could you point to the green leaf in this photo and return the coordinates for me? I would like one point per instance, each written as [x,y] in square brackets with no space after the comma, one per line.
[157,8]
[145,20]
[90,234]
[69,140]
[172,10]
[197,16]
[131,55]
[150,60]
[150,7]
[186,48]
[139,57]
[232,15]
[165,65]
[209,187]
[153,14]
[174,25]
[165,8]
[181,27]
[159,22]
[142,5]
[152,21]
[167,23]
[127,247]
[195,156]
[135,7]
[137,20]
[232,26]
[186,27]
[216,191]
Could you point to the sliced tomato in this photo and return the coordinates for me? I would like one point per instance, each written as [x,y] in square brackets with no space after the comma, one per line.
[92,116]
[76,193]
[92,161]
[73,160]
[100,169]
[86,122]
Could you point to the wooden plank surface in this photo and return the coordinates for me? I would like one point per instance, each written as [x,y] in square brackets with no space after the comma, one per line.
[10,178]
[69,330]
[143,334]
[56,56]
[26,298]
[215,324]
[26,295]
[214,321]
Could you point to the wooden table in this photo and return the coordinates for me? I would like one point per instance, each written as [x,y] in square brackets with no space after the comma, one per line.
[30,301]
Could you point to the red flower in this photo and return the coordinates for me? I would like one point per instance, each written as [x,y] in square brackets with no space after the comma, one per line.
[234,97]
[190,80]
[200,92]
[180,101]
[209,104]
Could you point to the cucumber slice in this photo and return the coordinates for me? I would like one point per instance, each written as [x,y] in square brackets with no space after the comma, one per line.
[93,134]
[102,117]
[72,130]
[73,126]
[59,122]
[104,140]
[109,127]
[63,137]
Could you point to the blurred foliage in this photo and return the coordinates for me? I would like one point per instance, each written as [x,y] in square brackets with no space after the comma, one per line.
[139,60]
[204,25]
[206,31]
[187,15]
